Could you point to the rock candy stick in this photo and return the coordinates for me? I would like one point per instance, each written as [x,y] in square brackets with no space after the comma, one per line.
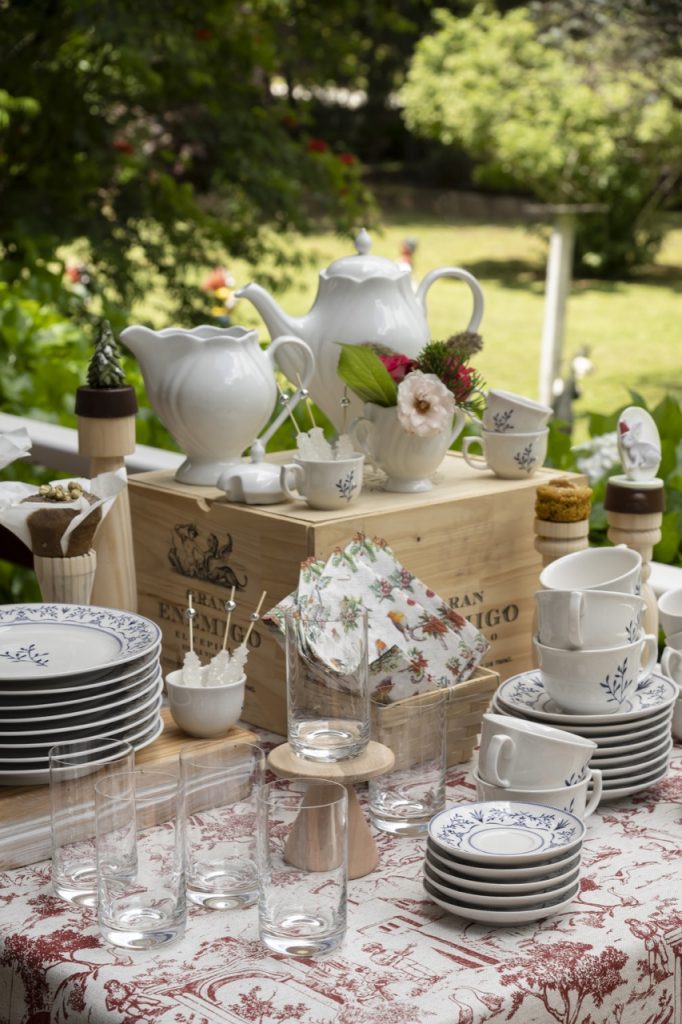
[219,665]
[191,666]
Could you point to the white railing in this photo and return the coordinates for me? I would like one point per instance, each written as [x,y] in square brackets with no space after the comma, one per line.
[57,448]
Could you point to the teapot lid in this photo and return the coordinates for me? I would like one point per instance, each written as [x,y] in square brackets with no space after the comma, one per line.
[364,266]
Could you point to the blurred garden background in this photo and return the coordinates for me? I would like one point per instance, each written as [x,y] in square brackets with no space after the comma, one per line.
[154,158]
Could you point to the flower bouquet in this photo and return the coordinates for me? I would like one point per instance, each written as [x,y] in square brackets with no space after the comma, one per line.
[414,408]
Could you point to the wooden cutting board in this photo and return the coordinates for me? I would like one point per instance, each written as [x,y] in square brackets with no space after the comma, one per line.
[25,810]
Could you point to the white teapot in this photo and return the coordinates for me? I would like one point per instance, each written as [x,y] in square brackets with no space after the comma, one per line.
[360,298]
[214,389]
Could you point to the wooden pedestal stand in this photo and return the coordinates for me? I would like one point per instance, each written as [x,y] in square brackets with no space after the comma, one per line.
[106,433]
[66,580]
[634,510]
[376,759]
[554,540]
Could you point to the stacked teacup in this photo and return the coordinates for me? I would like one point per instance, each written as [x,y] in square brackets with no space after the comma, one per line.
[533,762]
[670,618]
[597,677]
[514,436]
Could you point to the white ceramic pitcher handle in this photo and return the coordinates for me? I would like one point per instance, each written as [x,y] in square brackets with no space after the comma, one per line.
[596,780]
[488,767]
[575,618]
[361,436]
[305,376]
[458,426]
[651,646]
[291,469]
[461,275]
[466,445]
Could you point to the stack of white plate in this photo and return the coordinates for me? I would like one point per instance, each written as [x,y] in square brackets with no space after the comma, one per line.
[633,744]
[70,672]
[503,862]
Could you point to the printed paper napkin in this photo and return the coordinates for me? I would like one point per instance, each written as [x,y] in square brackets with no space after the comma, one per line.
[415,641]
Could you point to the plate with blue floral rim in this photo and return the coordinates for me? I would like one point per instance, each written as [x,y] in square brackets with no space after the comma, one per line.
[630,787]
[46,642]
[525,692]
[515,915]
[545,882]
[143,738]
[502,901]
[488,872]
[506,831]
[608,733]
[29,694]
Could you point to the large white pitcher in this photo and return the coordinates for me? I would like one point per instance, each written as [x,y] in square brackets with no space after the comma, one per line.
[213,389]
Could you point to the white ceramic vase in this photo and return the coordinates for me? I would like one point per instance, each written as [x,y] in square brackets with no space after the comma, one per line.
[407,459]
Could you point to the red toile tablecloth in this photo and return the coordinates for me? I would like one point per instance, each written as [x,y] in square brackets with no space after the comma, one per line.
[615,957]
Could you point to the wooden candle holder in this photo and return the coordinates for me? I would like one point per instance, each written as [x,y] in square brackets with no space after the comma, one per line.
[554,540]
[106,433]
[634,510]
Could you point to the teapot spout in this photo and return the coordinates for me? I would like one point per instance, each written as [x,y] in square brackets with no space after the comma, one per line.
[276,320]
[143,343]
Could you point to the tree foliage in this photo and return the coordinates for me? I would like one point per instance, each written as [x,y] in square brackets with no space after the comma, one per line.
[559,115]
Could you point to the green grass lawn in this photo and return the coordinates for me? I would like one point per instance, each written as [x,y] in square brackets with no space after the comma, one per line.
[633,329]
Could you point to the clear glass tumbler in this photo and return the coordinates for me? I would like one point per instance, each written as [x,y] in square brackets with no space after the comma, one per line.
[302,865]
[140,859]
[404,800]
[327,681]
[220,784]
[75,767]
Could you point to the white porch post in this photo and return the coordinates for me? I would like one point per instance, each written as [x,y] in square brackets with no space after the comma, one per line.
[557,286]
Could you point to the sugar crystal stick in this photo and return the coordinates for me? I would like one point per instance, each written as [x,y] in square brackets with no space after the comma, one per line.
[240,655]
[191,668]
[218,669]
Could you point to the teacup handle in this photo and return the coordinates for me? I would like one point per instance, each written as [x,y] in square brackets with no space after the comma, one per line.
[671,661]
[466,445]
[291,469]
[596,780]
[650,642]
[488,767]
[575,618]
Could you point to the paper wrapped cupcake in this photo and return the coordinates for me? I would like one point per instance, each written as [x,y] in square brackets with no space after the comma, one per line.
[416,641]
[58,523]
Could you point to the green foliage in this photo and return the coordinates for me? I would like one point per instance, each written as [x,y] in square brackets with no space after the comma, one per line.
[361,369]
[564,118]
[105,370]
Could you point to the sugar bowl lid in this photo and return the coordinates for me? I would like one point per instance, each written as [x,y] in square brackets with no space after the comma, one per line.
[363,266]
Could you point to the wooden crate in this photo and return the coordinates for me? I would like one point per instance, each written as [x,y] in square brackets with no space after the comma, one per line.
[470,539]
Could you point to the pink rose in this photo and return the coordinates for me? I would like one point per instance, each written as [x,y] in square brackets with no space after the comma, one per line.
[398,366]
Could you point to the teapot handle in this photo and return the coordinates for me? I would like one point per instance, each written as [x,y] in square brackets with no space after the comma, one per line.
[304,378]
[458,425]
[462,275]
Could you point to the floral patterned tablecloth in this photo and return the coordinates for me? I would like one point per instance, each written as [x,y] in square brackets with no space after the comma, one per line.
[615,957]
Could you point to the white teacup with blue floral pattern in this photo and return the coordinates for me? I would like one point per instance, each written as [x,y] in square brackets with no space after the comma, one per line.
[509,456]
[506,413]
[575,799]
[519,754]
[596,682]
[324,483]
[577,619]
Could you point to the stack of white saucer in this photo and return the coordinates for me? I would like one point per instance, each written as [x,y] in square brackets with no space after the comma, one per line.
[73,672]
[503,862]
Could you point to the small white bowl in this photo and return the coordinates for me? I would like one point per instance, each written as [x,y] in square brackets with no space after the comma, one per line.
[204,711]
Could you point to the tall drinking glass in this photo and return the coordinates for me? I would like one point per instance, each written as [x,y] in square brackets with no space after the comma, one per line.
[404,800]
[302,865]
[140,859]
[75,767]
[220,784]
[327,681]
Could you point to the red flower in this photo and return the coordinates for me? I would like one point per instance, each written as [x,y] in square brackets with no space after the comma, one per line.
[317,146]
[202,34]
[461,383]
[398,366]
[219,277]
[123,146]
[348,159]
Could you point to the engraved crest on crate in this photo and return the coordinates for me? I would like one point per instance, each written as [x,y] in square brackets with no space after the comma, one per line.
[202,556]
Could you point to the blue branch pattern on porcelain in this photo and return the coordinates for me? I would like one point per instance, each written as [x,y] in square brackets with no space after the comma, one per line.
[29,653]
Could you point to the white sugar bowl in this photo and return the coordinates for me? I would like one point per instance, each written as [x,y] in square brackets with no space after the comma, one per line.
[205,711]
